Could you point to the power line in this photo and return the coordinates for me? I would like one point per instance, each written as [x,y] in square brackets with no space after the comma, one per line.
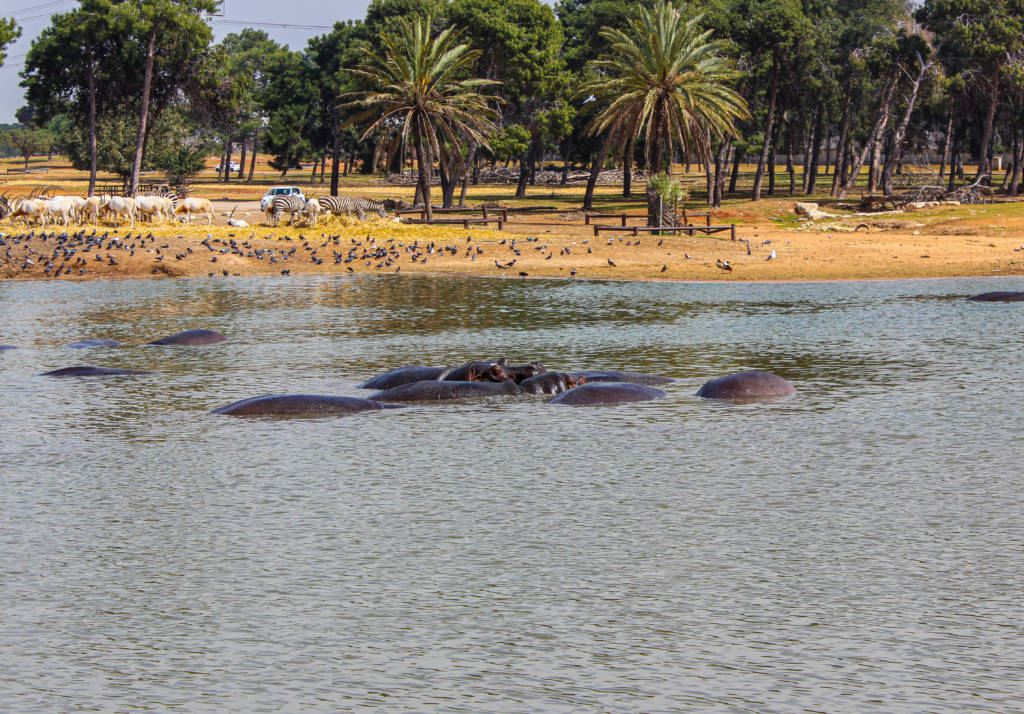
[36,8]
[246,23]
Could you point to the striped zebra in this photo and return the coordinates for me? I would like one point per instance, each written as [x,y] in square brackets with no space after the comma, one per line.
[338,205]
[284,204]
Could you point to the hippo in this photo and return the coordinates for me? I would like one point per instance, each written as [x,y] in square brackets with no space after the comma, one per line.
[87,371]
[403,375]
[998,296]
[436,391]
[747,385]
[190,337]
[299,405]
[7,347]
[603,375]
[480,371]
[95,343]
[593,393]
[523,372]
[550,383]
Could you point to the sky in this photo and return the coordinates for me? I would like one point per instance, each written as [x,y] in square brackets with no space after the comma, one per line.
[314,16]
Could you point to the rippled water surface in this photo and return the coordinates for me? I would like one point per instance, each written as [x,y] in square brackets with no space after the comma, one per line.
[858,547]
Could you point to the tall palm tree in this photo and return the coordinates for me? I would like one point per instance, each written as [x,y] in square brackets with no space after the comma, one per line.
[418,86]
[665,79]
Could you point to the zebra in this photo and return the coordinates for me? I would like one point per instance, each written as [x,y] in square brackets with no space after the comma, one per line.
[284,204]
[337,205]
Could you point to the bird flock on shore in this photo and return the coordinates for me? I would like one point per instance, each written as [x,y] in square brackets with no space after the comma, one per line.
[79,253]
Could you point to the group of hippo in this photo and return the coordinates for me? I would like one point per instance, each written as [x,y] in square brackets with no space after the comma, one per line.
[496,378]
[405,385]
[474,379]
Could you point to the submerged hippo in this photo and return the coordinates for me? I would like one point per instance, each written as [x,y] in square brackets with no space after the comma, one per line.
[604,375]
[86,371]
[550,383]
[593,393]
[190,337]
[436,391]
[7,347]
[998,296]
[403,375]
[95,343]
[299,405]
[747,385]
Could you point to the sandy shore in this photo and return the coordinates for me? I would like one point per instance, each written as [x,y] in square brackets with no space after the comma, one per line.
[941,242]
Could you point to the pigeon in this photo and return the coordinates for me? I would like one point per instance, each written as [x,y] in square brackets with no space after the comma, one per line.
[612,263]
[748,248]
[664,268]
[723,264]
[771,256]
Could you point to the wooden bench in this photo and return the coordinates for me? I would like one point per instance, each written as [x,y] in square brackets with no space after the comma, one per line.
[637,230]
[464,222]
[485,210]
[624,216]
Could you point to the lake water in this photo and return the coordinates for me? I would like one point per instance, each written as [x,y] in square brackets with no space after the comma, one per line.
[858,547]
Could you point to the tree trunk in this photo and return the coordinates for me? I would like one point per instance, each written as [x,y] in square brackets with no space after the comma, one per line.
[524,172]
[773,91]
[425,168]
[595,169]
[255,144]
[873,167]
[721,161]
[91,79]
[147,86]
[735,174]
[945,146]
[470,161]
[627,168]
[771,164]
[899,136]
[954,159]
[844,138]
[984,164]
[811,180]
[335,151]
[790,169]
[1018,157]
[876,131]
[227,160]
[241,161]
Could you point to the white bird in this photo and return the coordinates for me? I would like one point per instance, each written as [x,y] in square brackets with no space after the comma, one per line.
[723,264]
[771,256]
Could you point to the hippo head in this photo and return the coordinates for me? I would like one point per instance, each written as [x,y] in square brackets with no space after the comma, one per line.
[572,382]
[526,371]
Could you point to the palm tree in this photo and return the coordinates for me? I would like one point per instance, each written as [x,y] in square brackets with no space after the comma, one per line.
[418,87]
[665,79]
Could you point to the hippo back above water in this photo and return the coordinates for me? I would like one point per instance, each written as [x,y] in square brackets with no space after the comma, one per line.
[598,393]
[747,385]
[299,405]
[403,375]
[437,391]
[998,296]
[191,337]
[87,371]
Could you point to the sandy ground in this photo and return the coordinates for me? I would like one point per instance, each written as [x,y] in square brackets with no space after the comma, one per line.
[939,242]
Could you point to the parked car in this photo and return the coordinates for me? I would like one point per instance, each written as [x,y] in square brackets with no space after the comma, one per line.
[232,166]
[280,191]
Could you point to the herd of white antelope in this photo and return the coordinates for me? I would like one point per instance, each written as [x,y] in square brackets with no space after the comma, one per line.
[69,210]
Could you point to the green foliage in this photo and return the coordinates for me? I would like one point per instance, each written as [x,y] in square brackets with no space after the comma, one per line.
[9,32]
[26,142]
[181,162]
[420,85]
[666,79]
[671,192]
[509,142]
